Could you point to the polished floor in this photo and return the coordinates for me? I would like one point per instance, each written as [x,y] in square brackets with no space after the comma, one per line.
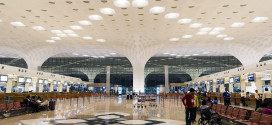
[105,110]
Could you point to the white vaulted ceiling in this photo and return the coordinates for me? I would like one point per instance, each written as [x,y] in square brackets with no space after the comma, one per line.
[137,29]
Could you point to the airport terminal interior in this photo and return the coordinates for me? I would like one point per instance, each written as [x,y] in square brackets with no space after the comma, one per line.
[102,62]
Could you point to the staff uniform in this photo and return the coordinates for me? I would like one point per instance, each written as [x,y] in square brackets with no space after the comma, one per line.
[257,98]
[267,98]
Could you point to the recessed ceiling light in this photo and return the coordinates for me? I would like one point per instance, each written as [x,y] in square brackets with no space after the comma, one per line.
[174,39]
[100,40]
[2,56]
[85,55]
[17,24]
[238,24]
[68,31]
[221,35]
[121,3]
[101,56]
[85,22]
[157,10]
[171,15]
[187,36]
[1,20]
[55,38]
[186,55]
[56,31]
[38,28]
[76,54]
[172,54]
[205,52]
[73,35]
[95,17]
[218,29]
[205,29]
[75,27]
[50,41]
[107,11]
[113,53]
[94,56]
[184,21]
[87,37]
[229,38]
[202,33]
[259,19]
[139,3]
[196,25]
[107,55]
[61,35]
[165,53]
[214,33]
[195,54]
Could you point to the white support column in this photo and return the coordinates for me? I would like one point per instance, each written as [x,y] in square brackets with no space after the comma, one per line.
[243,82]
[60,87]
[166,77]
[68,89]
[40,87]
[26,87]
[51,86]
[9,85]
[138,78]
[214,85]
[230,87]
[108,79]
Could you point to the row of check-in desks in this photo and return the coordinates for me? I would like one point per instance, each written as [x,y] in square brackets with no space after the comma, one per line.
[19,97]
[235,98]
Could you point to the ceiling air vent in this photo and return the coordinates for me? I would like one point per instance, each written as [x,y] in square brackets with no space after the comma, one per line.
[104,1]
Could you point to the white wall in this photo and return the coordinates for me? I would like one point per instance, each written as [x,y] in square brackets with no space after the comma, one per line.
[251,88]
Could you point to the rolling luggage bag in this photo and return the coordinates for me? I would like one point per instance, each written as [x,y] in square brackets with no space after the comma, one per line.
[52,105]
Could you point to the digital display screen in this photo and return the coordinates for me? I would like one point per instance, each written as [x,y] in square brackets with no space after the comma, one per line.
[40,81]
[58,82]
[65,83]
[231,80]
[211,82]
[217,81]
[222,81]
[208,83]
[55,82]
[68,83]
[45,82]
[28,80]
[251,77]
[21,79]
[4,78]
[76,84]
[237,79]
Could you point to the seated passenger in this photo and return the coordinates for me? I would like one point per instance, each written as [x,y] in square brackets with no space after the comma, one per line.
[209,100]
[34,104]
[266,110]
[26,101]
[206,112]
[262,106]
[215,100]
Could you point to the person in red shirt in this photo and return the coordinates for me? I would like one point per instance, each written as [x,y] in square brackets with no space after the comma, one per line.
[188,102]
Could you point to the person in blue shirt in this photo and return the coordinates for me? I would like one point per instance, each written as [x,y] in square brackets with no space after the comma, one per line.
[215,101]
[209,100]
[226,97]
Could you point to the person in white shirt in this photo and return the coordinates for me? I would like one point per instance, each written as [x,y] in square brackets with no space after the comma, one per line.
[267,97]
[243,97]
[257,98]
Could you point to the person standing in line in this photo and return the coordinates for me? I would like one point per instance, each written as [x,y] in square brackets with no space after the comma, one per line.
[189,106]
[226,97]
[257,98]
[267,97]
[243,97]
[196,105]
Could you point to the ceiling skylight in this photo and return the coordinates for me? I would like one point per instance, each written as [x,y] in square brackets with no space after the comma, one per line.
[238,24]
[38,28]
[214,32]
[85,22]
[85,55]
[61,35]
[221,35]
[121,3]
[172,54]
[186,55]
[95,17]
[195,54]
[56,31]
[187,36]
[17,24]
[107,11]
[75,27]
[259,19]
[184,21]
[68,31]
[229,38]
[165,53]
[174,39]
[205,29]
[202,33]
[55,38]
[87,38]
[171,15]
[100,40]
[76,54]
[139,3]
[113,53]
[1,20]
[157,10]
[196,25]
[50,41]
[73,35]
[205,52]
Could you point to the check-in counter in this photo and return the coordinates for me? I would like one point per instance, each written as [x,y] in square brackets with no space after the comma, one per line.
[252,100]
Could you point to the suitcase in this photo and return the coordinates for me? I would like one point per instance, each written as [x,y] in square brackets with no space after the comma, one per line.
[52,105]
